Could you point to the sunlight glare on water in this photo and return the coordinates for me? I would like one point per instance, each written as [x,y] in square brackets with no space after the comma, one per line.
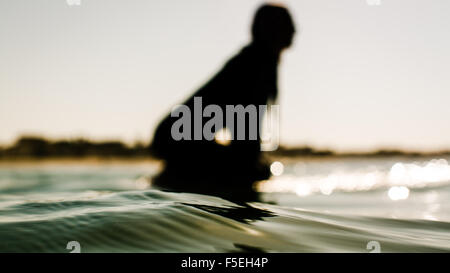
[223,137]
[277,168]
[398,193]
[434,171]
[408,175]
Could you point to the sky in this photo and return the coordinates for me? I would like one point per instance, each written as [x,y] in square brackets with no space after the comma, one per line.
[358,76]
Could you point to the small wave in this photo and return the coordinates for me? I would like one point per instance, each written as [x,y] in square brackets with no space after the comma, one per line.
[156,221]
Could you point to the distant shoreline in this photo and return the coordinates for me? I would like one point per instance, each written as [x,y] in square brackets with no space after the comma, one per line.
[34,149]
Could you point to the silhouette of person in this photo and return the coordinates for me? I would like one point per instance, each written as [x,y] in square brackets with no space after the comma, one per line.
[249,78]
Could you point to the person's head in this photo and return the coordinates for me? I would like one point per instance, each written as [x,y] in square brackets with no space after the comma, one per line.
[273,27]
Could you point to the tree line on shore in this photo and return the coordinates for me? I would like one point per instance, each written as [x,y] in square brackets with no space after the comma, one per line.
[40,147]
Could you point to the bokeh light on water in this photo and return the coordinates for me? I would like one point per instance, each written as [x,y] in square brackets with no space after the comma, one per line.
[398,179]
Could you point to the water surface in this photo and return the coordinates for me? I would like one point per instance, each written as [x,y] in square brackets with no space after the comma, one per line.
[334,205]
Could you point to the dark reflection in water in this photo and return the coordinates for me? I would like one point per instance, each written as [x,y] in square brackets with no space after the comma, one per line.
[236,193]
[244,213]
[246,248]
